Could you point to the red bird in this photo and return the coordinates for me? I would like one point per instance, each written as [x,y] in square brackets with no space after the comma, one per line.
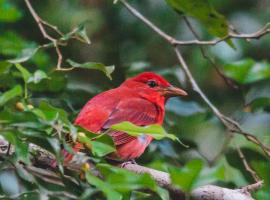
[139,100]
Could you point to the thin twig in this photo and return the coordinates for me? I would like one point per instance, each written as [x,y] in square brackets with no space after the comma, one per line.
[247,167]
[229,123]
[251,188]
[40,22]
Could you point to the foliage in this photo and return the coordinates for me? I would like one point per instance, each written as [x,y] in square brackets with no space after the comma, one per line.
[38,103]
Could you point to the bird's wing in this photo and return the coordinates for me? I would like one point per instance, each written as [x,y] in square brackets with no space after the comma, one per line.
[106,109]
[96,111]
[136,110]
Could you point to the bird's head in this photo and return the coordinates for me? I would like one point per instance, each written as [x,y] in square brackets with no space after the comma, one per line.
[150,81]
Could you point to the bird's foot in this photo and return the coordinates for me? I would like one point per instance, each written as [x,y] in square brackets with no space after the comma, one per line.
[128,162]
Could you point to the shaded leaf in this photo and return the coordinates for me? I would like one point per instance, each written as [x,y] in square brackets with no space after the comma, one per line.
[259,95]
[184,108]
[82,34]
[21,148]
[49,112]
[8,12]
[105,187]
[203,11]
[25,73]
[125,181]
[211,175]
[186,177]
[107,70]
[10,94]
[4,66]
[247,71]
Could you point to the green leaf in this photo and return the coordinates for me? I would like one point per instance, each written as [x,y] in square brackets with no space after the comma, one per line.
[186,177]
[8,12]
[125,181]
[184,108]
[100,146]
[37,77]
[4,66]
[101,149]
[156,131]
[259,95]
[107,70]
[232,157]
[11,43]
[49,112]
[25,55]
[203,11]
[211,175]
[21,148]
[105,187]
[10,94]
[25,73]
[82,34]
[247,71]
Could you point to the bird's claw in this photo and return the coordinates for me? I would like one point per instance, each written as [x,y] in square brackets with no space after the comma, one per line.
[128,162]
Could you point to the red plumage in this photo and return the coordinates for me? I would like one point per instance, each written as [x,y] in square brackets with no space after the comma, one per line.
[139,100]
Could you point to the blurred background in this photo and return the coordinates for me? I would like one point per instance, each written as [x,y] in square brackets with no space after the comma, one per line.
[242,91]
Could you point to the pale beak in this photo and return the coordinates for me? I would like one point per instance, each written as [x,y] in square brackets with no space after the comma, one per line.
[172,91]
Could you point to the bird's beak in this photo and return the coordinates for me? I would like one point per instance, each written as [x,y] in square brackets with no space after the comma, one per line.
[172,91]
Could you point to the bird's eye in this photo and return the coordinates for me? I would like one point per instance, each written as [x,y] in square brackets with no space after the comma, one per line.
[152,83]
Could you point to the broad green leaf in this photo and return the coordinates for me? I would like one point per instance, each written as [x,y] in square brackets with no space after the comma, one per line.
[25,73]
[37,77]
[125,181]
[101,149]
[8,11]
[105,187]
[49,112]
[204,12]
[100,146]
[25,55]
[107,70]
[156,131]
[247,71]
[211,175]
[10,94]
[186,177]
[262,170]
